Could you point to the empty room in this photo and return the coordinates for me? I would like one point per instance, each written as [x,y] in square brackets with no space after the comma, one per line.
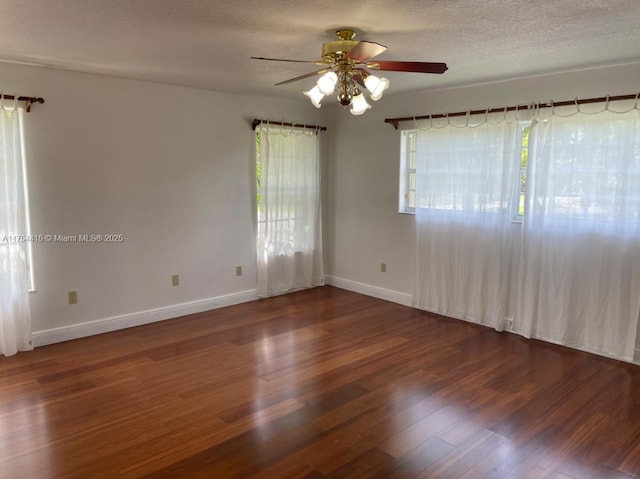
[339,240]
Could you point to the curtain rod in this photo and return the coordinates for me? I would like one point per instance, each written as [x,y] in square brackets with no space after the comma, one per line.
[29,100]
[256,122]
[396,121]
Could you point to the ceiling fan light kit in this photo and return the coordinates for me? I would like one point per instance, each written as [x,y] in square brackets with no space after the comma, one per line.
[327,83]
[359,105]
[315,95]
[376,86]
[345,63]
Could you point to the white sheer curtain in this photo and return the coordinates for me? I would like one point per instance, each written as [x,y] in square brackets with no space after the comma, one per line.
[15,318]
[289,243]
[464,188]
[579,279]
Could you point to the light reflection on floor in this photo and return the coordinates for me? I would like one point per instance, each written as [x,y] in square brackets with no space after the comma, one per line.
[27,447]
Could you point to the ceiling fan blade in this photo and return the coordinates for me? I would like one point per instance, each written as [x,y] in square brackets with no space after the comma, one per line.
[415,67]
[286,60]
[365,50]
[302,77]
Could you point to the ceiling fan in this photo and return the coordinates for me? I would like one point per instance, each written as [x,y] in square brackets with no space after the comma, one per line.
[345,63]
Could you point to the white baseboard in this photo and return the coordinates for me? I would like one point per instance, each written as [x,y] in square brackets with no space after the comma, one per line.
[99,326]
[369,290]
[105,325]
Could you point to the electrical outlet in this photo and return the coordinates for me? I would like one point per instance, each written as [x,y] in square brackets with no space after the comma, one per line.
[383,267]
[175,280]
[238,270]
[73,297]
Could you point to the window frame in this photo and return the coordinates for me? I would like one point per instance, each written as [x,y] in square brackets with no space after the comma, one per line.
[519,194]
[287,222]
[408,150]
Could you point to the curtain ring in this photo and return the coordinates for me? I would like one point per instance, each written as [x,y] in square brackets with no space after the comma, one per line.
[431,116]
[550,104]
[467,116]
[447,117]
[2,100]
[606,104]
[415,123]
[7,109]
[635,105]
[517,114]
[575,100]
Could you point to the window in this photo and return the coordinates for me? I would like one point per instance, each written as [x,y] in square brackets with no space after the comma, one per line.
[15,232]
[279,222]
[286,187]
[407,188]
[521,182]
[586,171]
[15,241]
[573,181]
[289,228]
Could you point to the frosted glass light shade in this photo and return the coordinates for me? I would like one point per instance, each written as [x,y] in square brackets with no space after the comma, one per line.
[327,83]
[359,105]
[315,95]
[376,86]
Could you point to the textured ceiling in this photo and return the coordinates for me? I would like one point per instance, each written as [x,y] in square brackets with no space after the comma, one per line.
[207,43]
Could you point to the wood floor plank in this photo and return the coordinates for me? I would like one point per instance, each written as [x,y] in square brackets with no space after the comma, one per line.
[413,436]
[322,383]
[371,464]
[427,454]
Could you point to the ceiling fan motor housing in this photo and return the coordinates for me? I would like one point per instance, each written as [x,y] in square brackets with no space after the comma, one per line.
[335,50]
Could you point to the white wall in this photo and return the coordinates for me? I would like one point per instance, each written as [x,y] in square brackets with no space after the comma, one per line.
[366,228]
[169,168]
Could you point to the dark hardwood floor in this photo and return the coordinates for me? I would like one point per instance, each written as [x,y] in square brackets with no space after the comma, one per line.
[322,383]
